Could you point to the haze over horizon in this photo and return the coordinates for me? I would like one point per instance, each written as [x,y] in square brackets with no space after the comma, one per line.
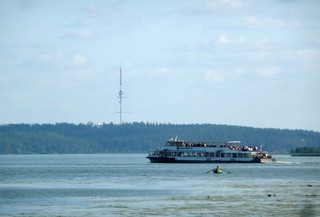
[234,62]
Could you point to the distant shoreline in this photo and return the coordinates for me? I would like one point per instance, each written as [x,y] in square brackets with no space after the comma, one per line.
[65,138]
[305,155]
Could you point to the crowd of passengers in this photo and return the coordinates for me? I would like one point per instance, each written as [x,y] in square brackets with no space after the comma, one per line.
[231,147]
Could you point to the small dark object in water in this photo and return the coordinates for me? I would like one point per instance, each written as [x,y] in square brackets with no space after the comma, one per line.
[309,185]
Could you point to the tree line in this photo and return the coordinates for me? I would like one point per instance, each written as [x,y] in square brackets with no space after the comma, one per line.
[306,151]
[139,137]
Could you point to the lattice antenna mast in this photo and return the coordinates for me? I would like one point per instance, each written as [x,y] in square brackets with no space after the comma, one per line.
[120,96]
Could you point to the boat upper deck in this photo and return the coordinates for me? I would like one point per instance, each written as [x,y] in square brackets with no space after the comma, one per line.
[232,145]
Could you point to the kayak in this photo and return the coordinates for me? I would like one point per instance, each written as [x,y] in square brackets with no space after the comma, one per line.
[217,171]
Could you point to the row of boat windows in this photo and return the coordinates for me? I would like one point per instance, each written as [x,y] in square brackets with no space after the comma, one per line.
[201,154]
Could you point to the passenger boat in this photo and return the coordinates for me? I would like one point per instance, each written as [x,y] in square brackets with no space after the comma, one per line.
[180,151]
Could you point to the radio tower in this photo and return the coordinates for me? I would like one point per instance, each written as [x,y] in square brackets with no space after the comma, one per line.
[120,96]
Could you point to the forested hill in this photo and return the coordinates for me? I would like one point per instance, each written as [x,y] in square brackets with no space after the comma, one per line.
[63,138]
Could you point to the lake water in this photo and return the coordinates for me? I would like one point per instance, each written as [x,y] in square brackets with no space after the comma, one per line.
[128,185]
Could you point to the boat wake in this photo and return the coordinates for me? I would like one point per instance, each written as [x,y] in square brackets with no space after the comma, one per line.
[286,162]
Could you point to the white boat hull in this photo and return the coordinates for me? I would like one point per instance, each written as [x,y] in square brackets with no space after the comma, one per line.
[199,160]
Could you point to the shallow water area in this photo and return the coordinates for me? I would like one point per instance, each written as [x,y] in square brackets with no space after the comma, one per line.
[128,185]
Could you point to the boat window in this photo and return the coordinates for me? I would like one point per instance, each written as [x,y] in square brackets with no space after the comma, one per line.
[185,154]
[190,154]
[234,155]
[172,144]
[207,154]
[202,154]
[174,153]
[218,153]
[240,155]
[246,155]
[228,155]
[222,154]
[195,154]
[212,154]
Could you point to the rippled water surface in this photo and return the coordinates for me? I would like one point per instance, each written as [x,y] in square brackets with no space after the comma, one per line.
[128,185]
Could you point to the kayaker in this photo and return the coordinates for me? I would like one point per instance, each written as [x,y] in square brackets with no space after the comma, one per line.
[217,169]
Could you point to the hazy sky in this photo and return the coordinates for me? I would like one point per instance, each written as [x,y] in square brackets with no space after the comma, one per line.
[236,62]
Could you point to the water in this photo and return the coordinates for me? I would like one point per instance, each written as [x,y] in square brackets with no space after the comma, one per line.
[128,185]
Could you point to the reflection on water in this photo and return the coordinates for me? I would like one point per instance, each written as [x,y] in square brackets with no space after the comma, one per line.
[128,185]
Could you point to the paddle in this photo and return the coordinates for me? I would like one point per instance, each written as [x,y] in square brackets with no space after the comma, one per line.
[225,171]
[209,171]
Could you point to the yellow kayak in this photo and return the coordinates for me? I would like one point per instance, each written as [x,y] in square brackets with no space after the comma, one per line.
[217,171]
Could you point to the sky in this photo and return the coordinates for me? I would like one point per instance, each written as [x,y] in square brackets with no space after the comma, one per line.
[234,62]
